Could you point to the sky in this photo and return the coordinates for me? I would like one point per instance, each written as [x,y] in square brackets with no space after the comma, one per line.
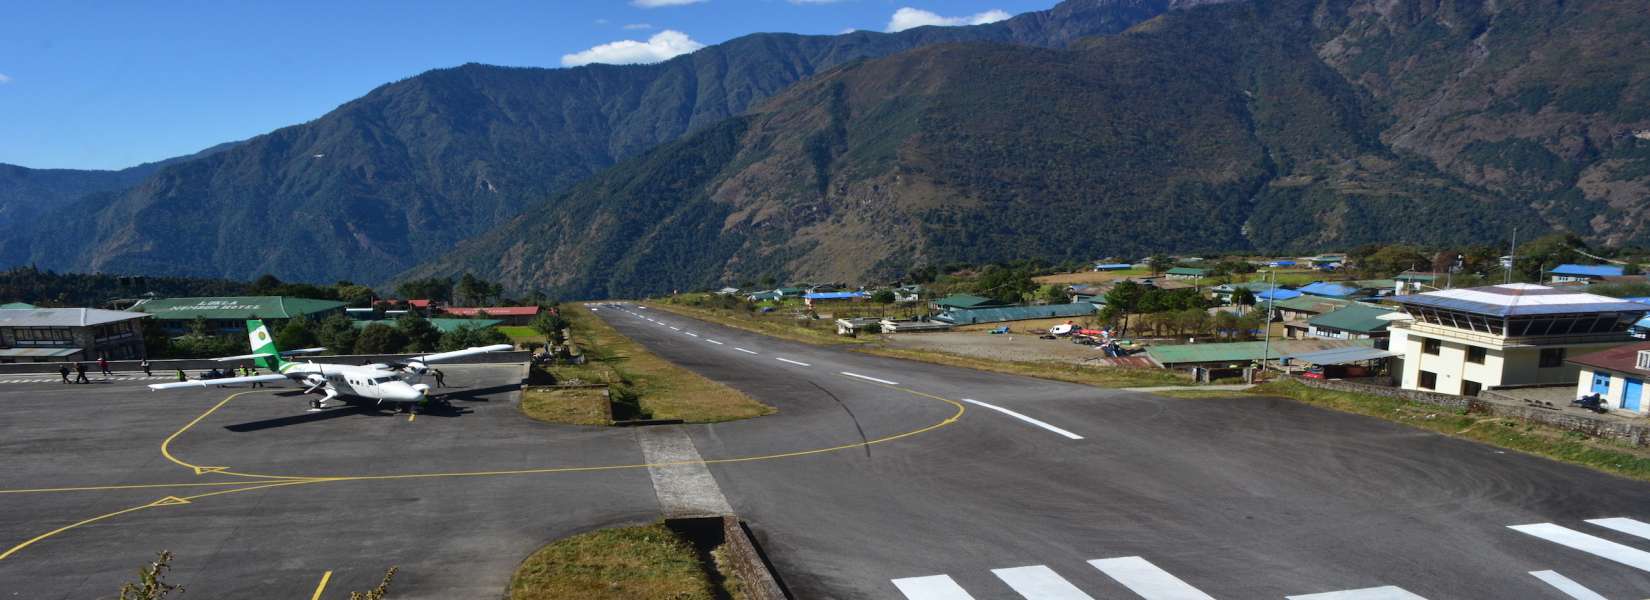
[108,85]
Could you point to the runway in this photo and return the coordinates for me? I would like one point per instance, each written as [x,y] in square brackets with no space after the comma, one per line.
[877,478]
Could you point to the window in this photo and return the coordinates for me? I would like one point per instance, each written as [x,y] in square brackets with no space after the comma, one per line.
[1428,380]
[1471,388]
[1476,354]
[1552,357]
[1431,346]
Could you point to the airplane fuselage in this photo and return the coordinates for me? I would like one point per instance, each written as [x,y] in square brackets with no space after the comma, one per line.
[372,382]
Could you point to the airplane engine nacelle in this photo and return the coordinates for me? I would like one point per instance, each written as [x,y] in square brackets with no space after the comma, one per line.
[418,367]
[422,389]
[314,379]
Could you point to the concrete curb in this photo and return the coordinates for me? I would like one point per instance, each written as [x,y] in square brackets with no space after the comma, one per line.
[755,571]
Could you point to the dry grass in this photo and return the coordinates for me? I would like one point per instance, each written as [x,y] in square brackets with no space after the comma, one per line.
[664,390]
[649,562]
[1550,442]
[1090,277]
[580,406]
[1055,370]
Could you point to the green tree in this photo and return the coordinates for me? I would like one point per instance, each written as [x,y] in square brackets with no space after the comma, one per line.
[432,288]
[298,332]
[550,325]
[338,333]
[469,336]
[1052,294]
[883,297]
[1005,283]
[379,338]
[357,296]
[1395,259]
[1159,263]
[1545,253]
[422,336]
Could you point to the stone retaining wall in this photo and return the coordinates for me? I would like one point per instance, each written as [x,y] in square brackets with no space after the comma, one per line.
[760,579]
[1448,401]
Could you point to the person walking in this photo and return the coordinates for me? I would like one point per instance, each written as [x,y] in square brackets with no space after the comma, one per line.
[145,366]
[64,371]
[80,373]
[440,378]
[182,376]
[103,365]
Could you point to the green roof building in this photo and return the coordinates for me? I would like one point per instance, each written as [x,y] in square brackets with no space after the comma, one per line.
[1355,322]
[999,314]
[16,306]
[228,314]
[1186,273]
[442,325]
[964,301]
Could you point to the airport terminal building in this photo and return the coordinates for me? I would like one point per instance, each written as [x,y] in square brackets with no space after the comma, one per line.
[227,315]
[69,334]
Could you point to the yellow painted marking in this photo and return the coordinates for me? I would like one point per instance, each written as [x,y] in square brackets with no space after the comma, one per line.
[169,501]
[321,587]
[138,486]
[205,470]
[165,445]
[411,416]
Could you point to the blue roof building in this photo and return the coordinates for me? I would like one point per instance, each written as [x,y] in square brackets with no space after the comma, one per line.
[1584,273]
[1276,295]
[998,314]
[1327,289]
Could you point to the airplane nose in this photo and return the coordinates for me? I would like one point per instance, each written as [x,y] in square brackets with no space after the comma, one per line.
[407,393]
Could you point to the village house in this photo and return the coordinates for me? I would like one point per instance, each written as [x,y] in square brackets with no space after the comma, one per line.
[1583,273]
[70,334]
[1617,375]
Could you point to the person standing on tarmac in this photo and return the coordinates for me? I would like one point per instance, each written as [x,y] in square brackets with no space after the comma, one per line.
[64,371]
[80,373]
[103,365]
[145,366]
[440,378]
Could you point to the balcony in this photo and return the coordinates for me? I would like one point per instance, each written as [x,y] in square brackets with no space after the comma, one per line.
[1483,338]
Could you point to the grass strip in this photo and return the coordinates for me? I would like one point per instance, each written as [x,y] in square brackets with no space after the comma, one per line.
[648,562]
[1546,441]
[661,389]
[578,406]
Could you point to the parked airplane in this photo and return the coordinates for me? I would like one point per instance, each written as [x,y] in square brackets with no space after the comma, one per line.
[384,383]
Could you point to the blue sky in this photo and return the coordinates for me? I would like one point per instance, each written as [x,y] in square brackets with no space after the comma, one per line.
[112,84]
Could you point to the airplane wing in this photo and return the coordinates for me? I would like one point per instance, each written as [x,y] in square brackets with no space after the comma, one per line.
[266,354]
[430,358]
[201,383]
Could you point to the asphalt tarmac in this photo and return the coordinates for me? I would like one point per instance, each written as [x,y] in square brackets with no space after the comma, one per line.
[877,478]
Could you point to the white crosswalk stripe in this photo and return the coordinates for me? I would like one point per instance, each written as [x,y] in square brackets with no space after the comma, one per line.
[1597,546]
[1376,593]
[1145,579]
[1627,526]
[1040,583]
[933,587]
[1566,585]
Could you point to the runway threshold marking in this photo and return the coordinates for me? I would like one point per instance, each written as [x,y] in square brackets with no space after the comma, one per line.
[869,378]
[743,350]
[787,360]
[322,586]
[1040,582]
[1596,546]
[1388,592]
[932,587]
[1566,585]
[1145,579]
[1056,430]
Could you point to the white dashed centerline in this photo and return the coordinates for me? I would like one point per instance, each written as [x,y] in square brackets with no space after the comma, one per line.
[676,328]
[881,381]
[787,360]
[743,350]
[692,333]
[1057,430]
[714,341]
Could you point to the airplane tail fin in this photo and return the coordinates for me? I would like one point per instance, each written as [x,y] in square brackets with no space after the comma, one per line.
[263,344]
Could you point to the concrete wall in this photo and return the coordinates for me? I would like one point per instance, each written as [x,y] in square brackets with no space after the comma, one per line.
[1455,403]
[1632,432]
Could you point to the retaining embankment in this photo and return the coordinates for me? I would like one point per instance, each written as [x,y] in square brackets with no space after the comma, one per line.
[1626,430]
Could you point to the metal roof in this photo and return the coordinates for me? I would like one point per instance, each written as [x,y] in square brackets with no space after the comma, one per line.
[964,301]
[17,305]
[65,317]
[1311,304]
[1114,266]
[493,311]
[234,307]
[997,314]
[1233,352]
[834,295]
[1358,318]
[442,325]
[38,352]
[1520,299]
[1329,289]
[1187,271]
[1588,270]
[1340,356]
[1277,294]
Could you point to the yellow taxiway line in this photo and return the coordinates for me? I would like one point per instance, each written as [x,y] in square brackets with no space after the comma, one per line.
[321,587]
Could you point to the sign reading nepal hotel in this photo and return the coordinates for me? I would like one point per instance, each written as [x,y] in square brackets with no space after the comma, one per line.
[1463,341]
[213,305]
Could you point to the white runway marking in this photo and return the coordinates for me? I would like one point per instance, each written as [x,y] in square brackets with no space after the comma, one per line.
[714,341]
[1627,555]
[1376,593]
[1566,585]
[882,381]
[692,334]
[1145,579]
[1627,526]
[799,364]
[1057,430]
[676,328]
[1040,583]
[933,587]
[743,350]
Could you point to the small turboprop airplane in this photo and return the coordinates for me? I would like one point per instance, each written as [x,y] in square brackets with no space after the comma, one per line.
[395,383]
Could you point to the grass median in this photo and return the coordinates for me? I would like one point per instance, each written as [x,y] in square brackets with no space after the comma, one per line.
[822,332]
[640,383]
[648,562]
[1531,438]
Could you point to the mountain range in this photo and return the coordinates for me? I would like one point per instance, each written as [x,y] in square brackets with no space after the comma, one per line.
[1098,127]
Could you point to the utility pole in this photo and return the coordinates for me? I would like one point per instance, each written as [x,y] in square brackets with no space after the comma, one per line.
[1266,349]
[1512,258]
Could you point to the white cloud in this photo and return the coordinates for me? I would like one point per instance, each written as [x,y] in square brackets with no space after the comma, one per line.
[659,3]
[4,79]
[907,17]
[639,26]
[662,46]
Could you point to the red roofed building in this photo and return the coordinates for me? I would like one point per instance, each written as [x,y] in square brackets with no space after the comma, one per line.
[419,304]
[514,315]
[1617,375]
